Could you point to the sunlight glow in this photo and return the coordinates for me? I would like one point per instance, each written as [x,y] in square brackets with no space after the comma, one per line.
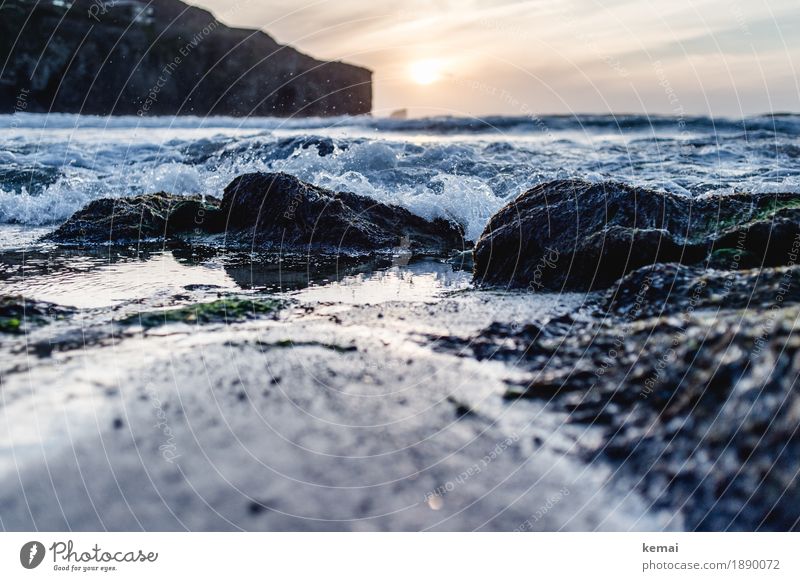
[425,72]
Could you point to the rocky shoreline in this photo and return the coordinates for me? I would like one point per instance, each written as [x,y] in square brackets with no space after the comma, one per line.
[634,348]
[267,211]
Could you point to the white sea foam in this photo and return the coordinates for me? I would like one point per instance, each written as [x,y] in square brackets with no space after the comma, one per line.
[462,169]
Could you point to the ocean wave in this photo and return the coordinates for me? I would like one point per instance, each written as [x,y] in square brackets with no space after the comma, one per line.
[773,124]
[463,169]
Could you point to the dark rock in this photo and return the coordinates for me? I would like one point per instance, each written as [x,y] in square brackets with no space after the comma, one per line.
[256,507]
[688,375]
[462,410]
[575,235]
[146,217]
[698,408]
[290,146]
[70,339]
[296,271]
[708,411]
[161,58]
[269,211]
[669,289]
[505,342]
[17,314]
[281,211]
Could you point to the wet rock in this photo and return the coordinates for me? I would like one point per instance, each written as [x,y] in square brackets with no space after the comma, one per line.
[699,409]
[296,271]
[503,341]
[688,376]
[228,310]
[290,146]
[576,235]
[71,339]
[280,211]
[17,314]
[256,508]
[462,410]
[141,218]
[269,211]
[710,412]
[669,289]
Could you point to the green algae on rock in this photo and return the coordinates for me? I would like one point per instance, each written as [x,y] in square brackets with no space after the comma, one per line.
[227,310]
[18,313]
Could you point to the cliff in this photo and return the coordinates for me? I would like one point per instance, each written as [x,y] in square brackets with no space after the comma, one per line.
[124,57]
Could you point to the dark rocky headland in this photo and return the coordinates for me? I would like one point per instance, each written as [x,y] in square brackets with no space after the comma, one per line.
[161,58]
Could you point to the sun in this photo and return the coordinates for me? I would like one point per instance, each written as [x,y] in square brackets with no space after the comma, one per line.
[425,72]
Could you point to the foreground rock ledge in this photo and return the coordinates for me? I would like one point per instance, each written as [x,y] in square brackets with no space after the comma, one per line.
[576,235]
[271,211]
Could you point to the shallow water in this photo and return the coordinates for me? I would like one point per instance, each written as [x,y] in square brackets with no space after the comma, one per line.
[421,281]
[108,276]
[461,168]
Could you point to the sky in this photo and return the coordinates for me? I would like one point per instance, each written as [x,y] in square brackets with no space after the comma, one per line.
[481,57]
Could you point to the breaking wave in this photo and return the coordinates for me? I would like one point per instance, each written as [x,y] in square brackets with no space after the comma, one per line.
[464,169]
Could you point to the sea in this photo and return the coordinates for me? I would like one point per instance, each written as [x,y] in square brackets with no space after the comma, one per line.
[460,168]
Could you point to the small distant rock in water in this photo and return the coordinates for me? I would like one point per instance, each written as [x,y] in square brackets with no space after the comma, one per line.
[399,114]
[325,146]
[576,235]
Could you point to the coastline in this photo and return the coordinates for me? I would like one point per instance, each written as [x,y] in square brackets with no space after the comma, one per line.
[288,389]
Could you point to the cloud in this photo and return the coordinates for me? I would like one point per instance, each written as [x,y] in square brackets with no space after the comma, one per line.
[549,50]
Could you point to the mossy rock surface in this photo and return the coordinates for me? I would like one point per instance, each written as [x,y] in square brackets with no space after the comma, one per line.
[17,313]
[732,259]
[227,310]
[775,206]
